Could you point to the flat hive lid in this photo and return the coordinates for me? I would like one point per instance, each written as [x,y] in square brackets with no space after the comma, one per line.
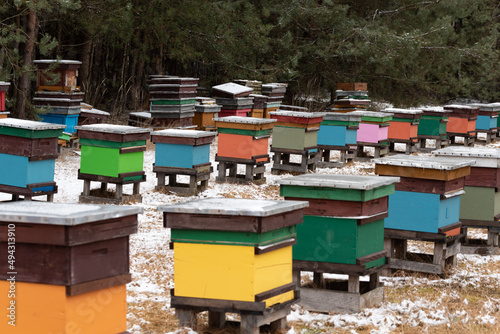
[355,182]
[144,114]
[232,88]
[96,111]
[112,128]
[234,207]
[245,120]
[29,125]
[184,133]
[300,114]
[345,117]
[488,157]
[402,111]
[426,162]
[51,213]
[58,61]
[487,106]
[459,106]
[367,113]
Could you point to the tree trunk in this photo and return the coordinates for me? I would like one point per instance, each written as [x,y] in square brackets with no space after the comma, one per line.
[24,83]
[85,67]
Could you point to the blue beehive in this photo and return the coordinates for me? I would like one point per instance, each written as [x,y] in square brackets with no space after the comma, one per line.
[182,148]
[18,171]
[69,120]
[427,199]
[338,129]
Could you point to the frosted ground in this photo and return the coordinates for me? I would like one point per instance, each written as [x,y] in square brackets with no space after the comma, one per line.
[414,304]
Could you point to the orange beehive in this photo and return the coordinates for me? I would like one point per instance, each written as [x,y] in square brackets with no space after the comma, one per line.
[462,119]
[242,147]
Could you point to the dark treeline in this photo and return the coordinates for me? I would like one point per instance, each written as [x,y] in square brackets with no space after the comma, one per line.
[408,51]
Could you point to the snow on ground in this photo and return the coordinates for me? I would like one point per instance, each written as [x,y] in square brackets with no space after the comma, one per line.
[152,238]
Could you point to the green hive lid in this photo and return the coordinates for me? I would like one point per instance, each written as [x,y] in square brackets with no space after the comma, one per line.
[29,125]
[234,207]
[426,162]
[184,133]
[341,117]
[113,128]
[51,213]
[300,114]
[245,120]
[356,182]
[487,157]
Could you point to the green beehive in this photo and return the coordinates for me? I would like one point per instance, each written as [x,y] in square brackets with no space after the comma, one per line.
[113,150]
[344,222]
[433,122]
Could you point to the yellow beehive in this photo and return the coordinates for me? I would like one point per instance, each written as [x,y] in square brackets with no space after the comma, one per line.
[231,272]
[44,308]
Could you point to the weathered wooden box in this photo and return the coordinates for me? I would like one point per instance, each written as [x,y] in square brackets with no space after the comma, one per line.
[112,150]
[344,222]
[62,77]
[244,137]
[338,129]
[404,124]
[296,130]
[230,252]
[68,244]
[433,122]
[182,148]
[4,87]
[428,198]
[363,86]
[92,116]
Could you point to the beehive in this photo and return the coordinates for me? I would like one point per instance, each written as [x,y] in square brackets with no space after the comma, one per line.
[182,148]
[462,119]
[404,124]
[428,197]
[71,268]
[243,137]
[234,249]
[296,130]
[374,127]
[338,129]
[113,150]
[4,87]
[433,122]
[28,151]
[344,222]
[57,75]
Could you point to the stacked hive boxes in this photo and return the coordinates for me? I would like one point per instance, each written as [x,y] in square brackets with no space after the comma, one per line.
[487,119]
[295,133]
[58,93]
[258,105]
[462,122]
[254,84]
[28,151]
[275,93]
[4,87]
[235,99]
[480,205]
[403,128]
[343,229]
[433,126]
[243,140]
[71,266]
[206,109]
[426,202]
[351,96]
[172,100]
[112,153]
[338,131]
[233,255]
[183,152]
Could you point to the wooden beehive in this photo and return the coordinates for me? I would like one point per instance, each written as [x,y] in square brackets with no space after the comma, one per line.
[344,222]
[404,124]
[296,130]
[462,119]
[28,150]
[66,255]
[226,249]
[57,75]
[374,126]
[182,148]
[338,129]
[243,137]
[433,122]
[487,118]
[352,86]
[4,87]
[113,150]
[428,197]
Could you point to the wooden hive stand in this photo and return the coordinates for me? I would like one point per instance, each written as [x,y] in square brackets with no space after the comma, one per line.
[198,179]
[347,154]
[440,142]
[254,169]
[101,195]
[342,233]
[480,205]
[282,162]
[233,256]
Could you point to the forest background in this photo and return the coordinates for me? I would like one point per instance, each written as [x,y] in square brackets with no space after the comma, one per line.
[408,51]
